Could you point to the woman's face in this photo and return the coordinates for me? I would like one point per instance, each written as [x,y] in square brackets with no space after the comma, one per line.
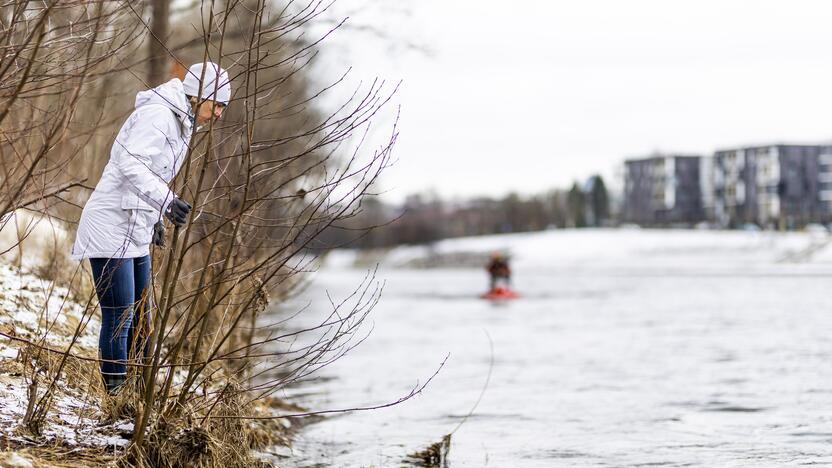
[207,110]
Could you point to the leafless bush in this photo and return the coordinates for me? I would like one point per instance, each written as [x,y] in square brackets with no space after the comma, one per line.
[52,52]
[264,181]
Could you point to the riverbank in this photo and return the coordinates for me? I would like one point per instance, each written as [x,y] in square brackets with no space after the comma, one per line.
[73,422]
[580,248]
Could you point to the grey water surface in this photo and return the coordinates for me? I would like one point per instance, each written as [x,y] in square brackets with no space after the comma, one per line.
[606,367]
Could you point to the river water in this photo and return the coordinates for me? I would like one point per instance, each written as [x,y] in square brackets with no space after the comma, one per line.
[594,366]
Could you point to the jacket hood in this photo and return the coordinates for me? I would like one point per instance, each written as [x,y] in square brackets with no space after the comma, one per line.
[170,95]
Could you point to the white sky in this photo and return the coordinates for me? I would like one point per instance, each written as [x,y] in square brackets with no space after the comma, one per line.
[530,95]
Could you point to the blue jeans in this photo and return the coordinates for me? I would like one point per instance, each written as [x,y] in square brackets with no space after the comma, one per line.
[122,286]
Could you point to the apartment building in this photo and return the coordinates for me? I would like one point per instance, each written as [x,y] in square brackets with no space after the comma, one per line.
[773,185]
[825,183]
[662,189]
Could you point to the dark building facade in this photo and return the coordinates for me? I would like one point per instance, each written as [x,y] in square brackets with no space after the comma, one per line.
[774,185]
[825,183]
[662,190]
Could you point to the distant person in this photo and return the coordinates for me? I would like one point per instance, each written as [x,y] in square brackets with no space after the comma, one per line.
[126,212]
[498,269]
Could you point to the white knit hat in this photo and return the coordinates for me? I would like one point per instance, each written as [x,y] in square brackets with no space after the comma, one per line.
[222,87]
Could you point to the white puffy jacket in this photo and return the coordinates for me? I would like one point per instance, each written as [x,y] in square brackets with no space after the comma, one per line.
[118,219]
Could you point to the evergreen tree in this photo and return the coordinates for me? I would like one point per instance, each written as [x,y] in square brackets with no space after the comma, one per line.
[576,203]
[598,200]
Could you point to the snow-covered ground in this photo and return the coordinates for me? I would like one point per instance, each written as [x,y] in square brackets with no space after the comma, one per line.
[40,320]
[608,247]
[41,237]
[37,311]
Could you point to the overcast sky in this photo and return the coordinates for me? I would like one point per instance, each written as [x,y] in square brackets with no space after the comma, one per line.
[530,95]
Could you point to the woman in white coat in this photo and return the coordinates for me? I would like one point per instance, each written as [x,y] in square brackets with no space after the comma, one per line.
[124,214]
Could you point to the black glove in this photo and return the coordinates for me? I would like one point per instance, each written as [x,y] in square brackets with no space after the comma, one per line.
[159,234]
[177,211]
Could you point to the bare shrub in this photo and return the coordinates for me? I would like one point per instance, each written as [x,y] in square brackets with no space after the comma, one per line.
[264,181]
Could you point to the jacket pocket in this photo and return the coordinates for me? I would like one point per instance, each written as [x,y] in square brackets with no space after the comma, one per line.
[140,218]
[131,201]
[164,165]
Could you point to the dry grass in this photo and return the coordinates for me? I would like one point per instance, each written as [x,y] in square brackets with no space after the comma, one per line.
[225,441]
[435,455]
[182,442]
[37,451]
[189,440]
[224,438]
[57,457]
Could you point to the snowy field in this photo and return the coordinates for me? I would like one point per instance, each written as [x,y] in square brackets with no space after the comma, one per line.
[628,348]
[625,247]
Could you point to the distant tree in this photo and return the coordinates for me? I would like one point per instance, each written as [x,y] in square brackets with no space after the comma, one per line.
[425,218]
[513,216]
[420,222]
[374,215]
[576,206]
[598,202]
[556,208]
[365,227]
[157,52]
[538,216]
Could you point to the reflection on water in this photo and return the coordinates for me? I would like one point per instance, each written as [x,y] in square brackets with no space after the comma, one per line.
[598,368]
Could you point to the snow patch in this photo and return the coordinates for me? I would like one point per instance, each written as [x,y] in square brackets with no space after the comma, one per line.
[609,247]
[15,460]
[36,310]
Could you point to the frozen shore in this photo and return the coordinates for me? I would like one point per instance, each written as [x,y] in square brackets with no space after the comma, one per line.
[581,248]
[73,422]
[35,314]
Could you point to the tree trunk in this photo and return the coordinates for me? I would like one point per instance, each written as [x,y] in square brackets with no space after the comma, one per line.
[158,54]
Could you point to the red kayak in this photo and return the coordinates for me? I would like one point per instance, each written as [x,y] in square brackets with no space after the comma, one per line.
[500,293]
